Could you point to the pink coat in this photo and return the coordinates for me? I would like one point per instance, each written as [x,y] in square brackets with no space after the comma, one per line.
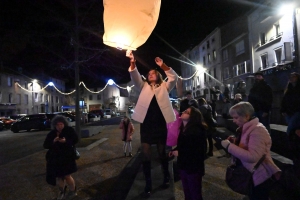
[255,142]
[173,130]
[130,131]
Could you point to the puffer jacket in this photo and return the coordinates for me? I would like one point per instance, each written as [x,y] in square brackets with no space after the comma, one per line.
[255,142]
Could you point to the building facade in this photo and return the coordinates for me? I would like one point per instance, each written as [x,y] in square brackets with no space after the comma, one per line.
[20,94]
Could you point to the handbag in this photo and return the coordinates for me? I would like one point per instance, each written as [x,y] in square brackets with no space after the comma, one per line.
[76,154]
[239,179]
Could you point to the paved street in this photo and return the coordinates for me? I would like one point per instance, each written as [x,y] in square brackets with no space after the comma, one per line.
[101,169]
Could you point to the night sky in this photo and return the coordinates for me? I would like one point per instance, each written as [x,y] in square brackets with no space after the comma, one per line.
[38,36]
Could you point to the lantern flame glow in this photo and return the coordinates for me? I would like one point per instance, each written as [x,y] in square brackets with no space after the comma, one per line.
[128,27]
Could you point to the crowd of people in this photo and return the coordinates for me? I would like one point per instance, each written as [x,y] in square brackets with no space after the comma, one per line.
[186,131]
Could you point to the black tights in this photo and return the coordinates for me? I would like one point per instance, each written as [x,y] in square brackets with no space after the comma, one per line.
[146,151]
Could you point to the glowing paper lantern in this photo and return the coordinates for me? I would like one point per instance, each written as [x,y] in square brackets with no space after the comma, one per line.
[128,24]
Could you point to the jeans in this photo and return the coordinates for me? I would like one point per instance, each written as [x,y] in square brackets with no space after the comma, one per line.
[264,120]
[293,122]
[192,185]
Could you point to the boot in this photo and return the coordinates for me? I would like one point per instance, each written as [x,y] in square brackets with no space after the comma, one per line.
[165,168]
[147,173]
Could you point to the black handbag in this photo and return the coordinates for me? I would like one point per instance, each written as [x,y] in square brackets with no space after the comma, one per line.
[76,154]
[239,179]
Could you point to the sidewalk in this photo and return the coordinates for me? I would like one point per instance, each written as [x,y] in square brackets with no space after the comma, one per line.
[98,170]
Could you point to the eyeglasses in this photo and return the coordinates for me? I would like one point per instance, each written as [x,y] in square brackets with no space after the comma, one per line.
[186,112]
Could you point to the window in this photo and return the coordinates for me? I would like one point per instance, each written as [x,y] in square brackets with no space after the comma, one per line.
[240,48]
[207,44]
[204,62]
[26,85]
[36,98]
[51,99]
[90,97]
[46,97]
[212,40]
[226,73]
[277,29]
[240,69]
[209,72]
[214,55]
[10,96]
[18,99]
[215,73]
[56,99]
[208,58]
[98,96]
[26,99]
[9,81]
[263,38]
[264,61]
[225,55]
[278,53]
[42,97]
[204,77]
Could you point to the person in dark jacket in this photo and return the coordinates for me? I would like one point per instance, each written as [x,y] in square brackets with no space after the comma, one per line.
[261,98]
[190,152]
[184,104]
[206,112]
[290,104]
[61,157]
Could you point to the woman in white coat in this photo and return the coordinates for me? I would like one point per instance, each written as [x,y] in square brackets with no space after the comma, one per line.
[153,110]
[252,142]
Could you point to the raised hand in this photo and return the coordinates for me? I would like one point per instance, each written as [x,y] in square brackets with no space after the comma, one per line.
[159,61]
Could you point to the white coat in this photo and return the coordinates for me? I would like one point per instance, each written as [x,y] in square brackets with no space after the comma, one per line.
[161,93]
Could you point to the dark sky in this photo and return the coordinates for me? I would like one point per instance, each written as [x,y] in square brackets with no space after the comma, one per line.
[39,36]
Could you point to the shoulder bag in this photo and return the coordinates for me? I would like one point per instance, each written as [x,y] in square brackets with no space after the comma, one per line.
[239,179]
[76,153]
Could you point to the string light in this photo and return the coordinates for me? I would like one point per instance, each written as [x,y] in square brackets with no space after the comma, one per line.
[110,82]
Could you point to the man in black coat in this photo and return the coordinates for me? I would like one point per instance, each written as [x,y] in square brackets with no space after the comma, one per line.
[261,98]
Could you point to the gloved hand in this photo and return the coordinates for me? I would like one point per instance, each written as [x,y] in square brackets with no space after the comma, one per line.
[225,143]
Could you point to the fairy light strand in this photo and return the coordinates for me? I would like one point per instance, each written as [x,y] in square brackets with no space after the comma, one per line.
[97,92]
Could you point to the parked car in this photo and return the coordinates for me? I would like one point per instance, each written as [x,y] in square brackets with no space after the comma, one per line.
[70,117]
[17,116]
[98,112]
[1,126]
[110,112]
[35,121]
[7,122]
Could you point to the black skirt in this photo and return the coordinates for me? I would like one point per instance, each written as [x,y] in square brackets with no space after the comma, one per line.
[154,128]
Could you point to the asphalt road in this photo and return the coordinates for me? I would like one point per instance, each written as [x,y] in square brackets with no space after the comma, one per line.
[14,146]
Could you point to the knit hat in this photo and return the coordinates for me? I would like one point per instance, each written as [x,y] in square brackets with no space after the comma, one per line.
[258,73]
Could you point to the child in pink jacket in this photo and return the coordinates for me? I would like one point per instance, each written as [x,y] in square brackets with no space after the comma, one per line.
[127,132]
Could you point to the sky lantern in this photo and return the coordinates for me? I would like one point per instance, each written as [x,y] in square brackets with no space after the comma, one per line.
[128,24]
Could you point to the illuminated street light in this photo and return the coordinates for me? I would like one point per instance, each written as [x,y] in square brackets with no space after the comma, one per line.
[50,84]
[110,82]
[286,9]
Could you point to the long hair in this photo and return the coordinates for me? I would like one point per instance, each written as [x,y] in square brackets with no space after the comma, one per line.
[57,119]
[202,101]
[159,78]
[196,119]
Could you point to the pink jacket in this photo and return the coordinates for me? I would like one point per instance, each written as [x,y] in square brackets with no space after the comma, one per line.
[130,131]
[173,130]
[255,142]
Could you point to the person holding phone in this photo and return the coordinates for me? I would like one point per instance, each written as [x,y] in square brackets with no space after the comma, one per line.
[60,157]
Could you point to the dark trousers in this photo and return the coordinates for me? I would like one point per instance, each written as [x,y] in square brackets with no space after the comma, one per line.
[192,185]
[261,191]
